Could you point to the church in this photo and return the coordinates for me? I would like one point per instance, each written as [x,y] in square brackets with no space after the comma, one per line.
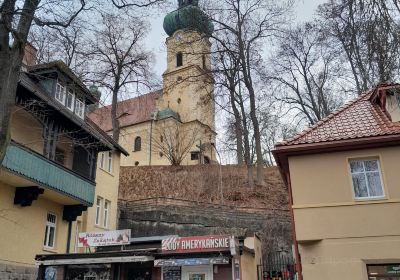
[174,125]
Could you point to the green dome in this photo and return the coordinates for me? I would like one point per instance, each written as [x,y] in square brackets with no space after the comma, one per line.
[188,16]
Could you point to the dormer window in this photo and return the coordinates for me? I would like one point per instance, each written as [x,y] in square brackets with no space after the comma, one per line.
[70,100]
[60,93]
[80,108]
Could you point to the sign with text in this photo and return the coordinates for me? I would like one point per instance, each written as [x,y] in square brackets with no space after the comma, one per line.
[211,243]
[104,238]
[190,262]
[393,269]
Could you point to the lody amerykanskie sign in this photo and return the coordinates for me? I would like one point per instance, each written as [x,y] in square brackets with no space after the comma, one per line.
[194,244]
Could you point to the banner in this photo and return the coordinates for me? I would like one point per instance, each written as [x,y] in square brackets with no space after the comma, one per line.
[104,238]
[211,243]
[190,262]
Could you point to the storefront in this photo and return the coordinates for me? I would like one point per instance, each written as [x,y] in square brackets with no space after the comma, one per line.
[213,257]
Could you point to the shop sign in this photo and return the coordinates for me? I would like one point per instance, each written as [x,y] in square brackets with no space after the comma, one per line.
[104,238]
[393,269]
[192,244]
[190,262]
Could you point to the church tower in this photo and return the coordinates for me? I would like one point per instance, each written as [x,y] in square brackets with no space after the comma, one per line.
[188,90]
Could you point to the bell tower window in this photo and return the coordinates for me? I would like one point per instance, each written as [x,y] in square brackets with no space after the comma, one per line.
[138,144]
[179,59]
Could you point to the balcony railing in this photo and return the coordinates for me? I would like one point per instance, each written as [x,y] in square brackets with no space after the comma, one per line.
[47,174]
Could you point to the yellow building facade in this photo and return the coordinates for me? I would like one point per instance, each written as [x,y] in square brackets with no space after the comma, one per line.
[345,193]
[48,181]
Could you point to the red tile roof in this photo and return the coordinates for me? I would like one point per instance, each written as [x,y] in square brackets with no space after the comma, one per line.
[359,119]
[131,111]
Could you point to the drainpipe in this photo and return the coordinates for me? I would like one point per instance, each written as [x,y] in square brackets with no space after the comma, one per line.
[151,139]
[299,268]
[69,236]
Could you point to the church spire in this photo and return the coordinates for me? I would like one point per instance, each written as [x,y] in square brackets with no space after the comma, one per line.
[188,16]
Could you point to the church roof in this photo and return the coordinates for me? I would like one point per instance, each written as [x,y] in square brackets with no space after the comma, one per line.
[130,112]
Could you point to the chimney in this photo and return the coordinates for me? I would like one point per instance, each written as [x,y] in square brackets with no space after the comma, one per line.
[30,55]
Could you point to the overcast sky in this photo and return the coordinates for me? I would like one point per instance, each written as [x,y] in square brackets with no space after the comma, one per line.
[156,39]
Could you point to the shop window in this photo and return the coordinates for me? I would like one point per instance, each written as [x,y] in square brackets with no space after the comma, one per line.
[367,179]
[383,271]
[138,144]
[179,59]
[60,93]
[50,233]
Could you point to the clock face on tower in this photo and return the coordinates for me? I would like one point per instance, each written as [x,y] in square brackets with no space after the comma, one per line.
[179,37]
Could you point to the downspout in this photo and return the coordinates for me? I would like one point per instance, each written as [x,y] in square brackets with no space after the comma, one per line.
[299,268]
[69,236]
[151,139]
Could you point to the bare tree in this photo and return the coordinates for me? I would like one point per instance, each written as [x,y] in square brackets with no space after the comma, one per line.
[368,34]
[306,70]
[120,61]
[16,18]
[250,23]
[174,140]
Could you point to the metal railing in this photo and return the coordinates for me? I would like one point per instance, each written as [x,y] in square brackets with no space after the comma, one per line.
[278,266]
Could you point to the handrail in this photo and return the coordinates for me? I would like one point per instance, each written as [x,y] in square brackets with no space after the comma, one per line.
[19,145]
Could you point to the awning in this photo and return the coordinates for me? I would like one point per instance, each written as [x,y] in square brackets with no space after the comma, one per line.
[105,260]
[190,262]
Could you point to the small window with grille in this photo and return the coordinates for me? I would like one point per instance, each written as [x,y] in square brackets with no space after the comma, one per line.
[50,232]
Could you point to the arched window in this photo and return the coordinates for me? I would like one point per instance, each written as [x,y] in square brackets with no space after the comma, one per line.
[179,59]
[138,144]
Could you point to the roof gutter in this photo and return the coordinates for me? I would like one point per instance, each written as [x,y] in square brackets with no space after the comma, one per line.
[281,153]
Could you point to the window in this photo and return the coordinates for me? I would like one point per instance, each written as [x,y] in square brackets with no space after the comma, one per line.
[204,62]
[60,93]
[106,161]
[70,99]
[50,233]
[179,59]
[106,212]
[80,108]
[138,144]
[110,162]
[59,156]
[102,212]
[367,181]
[99,203]
[102,161]
[194,155]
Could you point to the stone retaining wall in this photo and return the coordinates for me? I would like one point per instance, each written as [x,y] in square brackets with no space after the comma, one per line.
[17,272]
